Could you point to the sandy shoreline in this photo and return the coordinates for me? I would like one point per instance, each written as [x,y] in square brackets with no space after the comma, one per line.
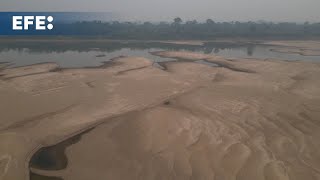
[304,48]
[246,119]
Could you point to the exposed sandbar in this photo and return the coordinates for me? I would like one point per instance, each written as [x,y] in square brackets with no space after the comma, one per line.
[189,121]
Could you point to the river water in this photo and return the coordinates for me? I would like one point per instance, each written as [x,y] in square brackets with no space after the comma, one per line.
[86,54]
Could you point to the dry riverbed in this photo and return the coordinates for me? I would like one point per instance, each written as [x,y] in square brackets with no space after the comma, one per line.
[128,119]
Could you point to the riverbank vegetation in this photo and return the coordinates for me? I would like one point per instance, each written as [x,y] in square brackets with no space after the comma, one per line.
[179,29]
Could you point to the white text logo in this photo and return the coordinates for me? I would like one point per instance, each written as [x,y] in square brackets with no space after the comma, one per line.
[28,22]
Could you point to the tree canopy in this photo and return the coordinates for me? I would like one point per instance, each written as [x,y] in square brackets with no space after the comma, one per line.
[178,29]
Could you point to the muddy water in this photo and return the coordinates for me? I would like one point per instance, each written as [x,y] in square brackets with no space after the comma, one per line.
[34,176]
[52,158]
[84,54]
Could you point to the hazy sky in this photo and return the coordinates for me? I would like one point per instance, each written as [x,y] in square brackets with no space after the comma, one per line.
[163,10]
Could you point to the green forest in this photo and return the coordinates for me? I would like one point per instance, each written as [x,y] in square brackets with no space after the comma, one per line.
[179,29]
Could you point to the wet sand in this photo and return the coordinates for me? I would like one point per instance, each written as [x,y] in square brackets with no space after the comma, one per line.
[243,119]
[304,48]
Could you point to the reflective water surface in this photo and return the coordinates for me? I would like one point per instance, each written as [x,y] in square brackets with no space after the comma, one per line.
[92,53]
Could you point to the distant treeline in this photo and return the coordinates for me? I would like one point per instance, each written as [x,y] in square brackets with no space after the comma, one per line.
[178,29]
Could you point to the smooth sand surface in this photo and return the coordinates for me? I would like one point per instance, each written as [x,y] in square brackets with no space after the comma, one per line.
[248,119]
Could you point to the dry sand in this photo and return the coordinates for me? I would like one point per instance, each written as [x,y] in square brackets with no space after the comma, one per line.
[246,120]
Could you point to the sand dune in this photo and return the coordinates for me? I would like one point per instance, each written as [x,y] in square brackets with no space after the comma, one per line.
[245,119]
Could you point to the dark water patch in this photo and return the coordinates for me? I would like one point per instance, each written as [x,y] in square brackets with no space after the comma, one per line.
[167,103]
[104,64]
[58,69]
[34,176]
[300,52]
[101,55]
[157,65]
[231,67]
[218,64]
[132,69]
[230,44]
[90,84]
[205,62]
[9,66]
[53,157]
[162,65]
[208,63]
[31,74]
[116,58]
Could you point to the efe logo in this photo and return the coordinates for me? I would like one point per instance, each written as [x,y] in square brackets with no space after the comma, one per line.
[40,22]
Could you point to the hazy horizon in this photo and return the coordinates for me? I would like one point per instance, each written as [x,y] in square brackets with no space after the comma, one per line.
[166,10]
